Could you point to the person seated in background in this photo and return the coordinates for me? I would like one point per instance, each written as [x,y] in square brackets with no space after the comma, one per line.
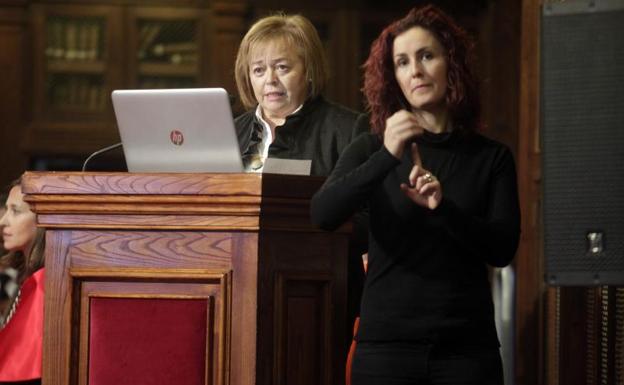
[5,276]
[281,72]
[21,329]
[443,204]
[3,197]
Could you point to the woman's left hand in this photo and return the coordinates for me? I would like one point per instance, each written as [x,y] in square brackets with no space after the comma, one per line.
[424,188]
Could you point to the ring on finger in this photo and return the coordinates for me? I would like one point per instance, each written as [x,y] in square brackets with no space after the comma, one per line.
[428,178]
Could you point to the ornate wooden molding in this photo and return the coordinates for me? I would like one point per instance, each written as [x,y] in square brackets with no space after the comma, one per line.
[170,201]
[98,183]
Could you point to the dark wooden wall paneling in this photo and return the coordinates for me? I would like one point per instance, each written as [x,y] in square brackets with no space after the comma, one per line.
[530,299]
[13,81]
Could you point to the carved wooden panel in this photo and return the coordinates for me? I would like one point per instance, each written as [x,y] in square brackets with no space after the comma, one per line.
[211,287]
[90,264]
[169,222]
[302,322]
[302,329]
[143,249]
[105,194]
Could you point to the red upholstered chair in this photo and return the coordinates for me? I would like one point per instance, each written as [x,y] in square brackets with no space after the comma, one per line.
[147,341]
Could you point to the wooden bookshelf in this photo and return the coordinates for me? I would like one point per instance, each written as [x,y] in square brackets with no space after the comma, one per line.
[82,50]
[166,69]
[88,67]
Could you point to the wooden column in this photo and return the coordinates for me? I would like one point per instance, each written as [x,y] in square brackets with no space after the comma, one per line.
[530,325]
[14,67]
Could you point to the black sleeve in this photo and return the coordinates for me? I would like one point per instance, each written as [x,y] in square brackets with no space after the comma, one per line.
[361,167]
[495,237]
[361,126]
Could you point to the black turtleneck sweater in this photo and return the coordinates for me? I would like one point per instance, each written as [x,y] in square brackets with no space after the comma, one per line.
[427,277]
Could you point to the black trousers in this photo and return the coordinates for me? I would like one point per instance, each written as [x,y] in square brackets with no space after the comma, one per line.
[381,363]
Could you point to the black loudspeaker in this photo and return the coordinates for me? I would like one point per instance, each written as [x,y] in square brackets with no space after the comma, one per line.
[582,133]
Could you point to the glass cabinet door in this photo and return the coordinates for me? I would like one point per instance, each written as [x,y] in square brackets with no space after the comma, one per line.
[82,52]
[168,47]
[76,56]
[75,71]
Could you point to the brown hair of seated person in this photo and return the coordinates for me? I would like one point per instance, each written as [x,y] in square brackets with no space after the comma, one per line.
[3,197]
[27,255]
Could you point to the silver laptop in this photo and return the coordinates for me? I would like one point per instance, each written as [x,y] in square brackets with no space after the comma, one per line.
[177,130]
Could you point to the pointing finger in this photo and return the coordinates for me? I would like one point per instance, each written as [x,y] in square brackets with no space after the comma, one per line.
[413,175]
[416,155]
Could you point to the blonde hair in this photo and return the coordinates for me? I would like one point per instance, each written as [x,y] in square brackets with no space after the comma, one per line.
[296,31]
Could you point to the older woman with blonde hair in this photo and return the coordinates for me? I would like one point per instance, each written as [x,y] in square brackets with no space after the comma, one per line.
[281,71]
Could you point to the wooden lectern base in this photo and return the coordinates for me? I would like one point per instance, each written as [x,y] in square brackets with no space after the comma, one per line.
[188,278]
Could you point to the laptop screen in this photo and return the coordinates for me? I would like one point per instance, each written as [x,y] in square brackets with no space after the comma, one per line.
[177,130]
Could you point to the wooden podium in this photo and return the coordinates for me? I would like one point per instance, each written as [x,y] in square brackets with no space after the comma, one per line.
[132,254]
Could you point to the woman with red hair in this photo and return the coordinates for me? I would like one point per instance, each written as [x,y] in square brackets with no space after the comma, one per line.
[443,206]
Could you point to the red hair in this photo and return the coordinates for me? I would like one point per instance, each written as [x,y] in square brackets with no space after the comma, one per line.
[383,94]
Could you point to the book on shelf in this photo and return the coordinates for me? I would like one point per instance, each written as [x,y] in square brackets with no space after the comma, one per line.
[49,45]
[59,94]
[184,58]
[80,92]
[93,46]
[95,92]
[71,40]
[55,44]
[83,92]
[72,91]
[82,41]
[147,36]
[164,49]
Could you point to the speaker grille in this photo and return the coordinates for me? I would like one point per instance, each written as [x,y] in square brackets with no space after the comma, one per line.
[583,146]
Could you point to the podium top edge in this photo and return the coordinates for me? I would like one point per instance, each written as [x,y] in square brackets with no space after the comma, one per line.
[124,183]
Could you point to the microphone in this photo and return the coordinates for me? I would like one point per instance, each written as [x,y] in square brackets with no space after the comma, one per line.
[98,152]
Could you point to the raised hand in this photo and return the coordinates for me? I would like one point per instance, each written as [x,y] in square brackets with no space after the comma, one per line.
[424,188]
[400,127]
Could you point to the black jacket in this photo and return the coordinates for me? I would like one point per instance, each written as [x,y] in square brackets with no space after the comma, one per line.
[319,131]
